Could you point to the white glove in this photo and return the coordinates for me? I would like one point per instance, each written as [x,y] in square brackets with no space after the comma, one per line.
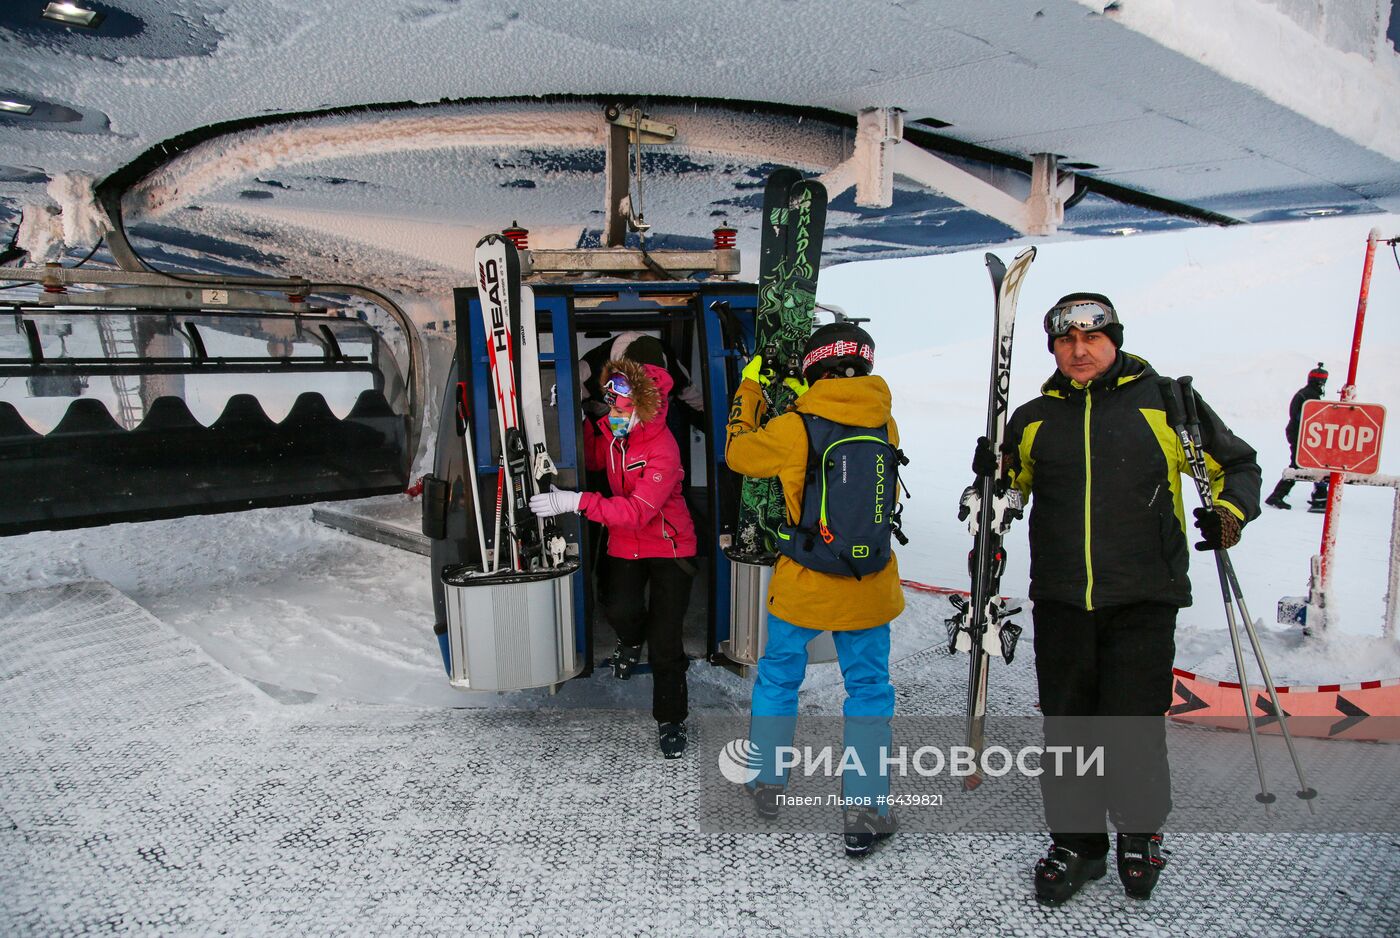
[555,502]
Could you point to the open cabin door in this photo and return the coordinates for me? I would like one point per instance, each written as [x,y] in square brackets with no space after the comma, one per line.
[709,324]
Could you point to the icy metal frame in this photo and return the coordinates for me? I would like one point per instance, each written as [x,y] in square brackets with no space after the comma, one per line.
[629,262]
[881,151]
[222,295]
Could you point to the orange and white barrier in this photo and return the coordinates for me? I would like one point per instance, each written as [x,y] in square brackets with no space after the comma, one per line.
[1363,711]
[1369,710]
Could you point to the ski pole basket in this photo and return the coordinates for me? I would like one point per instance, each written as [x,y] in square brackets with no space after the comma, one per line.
[748,622]
[510,631]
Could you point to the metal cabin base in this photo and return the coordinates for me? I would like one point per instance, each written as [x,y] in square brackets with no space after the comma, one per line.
[510,631]
[748,617]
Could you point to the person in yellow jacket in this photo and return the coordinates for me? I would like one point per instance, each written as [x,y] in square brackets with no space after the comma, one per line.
[802,602]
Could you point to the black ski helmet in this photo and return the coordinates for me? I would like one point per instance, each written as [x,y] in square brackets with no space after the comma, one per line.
[1318,375]
[840,348]
[1092,307]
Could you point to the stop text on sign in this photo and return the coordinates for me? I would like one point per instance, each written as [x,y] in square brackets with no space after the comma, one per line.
[1341,436]
[1344,436]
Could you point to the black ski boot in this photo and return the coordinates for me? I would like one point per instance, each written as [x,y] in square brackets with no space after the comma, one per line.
[672,738]
[1276,497]
[624,660]
[866,828]
[1062,872]
[1317,501]
[1140,862]
[765,799]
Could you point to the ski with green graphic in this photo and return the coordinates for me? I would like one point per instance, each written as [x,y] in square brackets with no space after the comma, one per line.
[794,217]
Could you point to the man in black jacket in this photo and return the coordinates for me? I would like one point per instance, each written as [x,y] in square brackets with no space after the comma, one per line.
[1312,391]
[1108,545]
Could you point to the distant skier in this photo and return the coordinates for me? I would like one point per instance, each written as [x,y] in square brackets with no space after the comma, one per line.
[1312,391]
[1108,575]
[651,537]
[839,391]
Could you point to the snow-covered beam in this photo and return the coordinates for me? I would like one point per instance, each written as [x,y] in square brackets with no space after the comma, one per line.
[877,131]
[881,152]
[1045,206]
[1040,214]
[204,168]
[869,168]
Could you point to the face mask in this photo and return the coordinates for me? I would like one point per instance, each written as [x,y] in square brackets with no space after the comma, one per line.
[621,426]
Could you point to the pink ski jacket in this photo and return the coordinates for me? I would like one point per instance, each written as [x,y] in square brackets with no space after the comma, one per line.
[647,515]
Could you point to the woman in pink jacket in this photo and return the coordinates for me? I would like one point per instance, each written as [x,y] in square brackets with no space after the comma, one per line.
[651,537]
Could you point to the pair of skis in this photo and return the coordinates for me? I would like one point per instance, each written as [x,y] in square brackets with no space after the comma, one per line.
[508,314]
[982,625]
[790,249]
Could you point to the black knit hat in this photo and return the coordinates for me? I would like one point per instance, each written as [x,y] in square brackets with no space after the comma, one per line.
[1113,328]
[642,349]
[1318,375]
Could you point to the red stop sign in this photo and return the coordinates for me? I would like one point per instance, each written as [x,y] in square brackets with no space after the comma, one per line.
[1340,437]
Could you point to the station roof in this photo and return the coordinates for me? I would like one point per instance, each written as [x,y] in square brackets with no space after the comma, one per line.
[375,140]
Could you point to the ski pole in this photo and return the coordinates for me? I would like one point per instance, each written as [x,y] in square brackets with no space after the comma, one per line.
[1177,421]
[469,471]
[1305,792]
[496,531]
[1227,572]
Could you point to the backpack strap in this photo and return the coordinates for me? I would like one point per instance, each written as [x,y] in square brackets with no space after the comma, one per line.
[896,515]
[810,476]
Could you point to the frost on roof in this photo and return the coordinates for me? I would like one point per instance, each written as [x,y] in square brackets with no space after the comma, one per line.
[1251,109]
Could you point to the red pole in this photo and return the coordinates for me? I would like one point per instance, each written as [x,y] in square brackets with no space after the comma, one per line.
[1335,484]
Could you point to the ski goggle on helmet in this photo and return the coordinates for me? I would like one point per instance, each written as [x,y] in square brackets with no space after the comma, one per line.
[1082,313]
[615,387]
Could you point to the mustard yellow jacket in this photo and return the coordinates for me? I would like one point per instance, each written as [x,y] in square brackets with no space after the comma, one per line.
[806,597]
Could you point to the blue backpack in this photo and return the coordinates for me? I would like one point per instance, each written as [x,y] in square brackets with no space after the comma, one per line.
[850,505]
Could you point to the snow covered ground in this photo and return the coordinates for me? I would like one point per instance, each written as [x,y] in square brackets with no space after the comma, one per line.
[146,789]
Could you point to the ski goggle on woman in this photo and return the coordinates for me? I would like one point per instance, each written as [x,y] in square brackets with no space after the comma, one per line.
[615,387]
[1084,315]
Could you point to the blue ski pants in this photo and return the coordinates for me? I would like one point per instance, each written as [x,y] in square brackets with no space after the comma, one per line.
[864,655]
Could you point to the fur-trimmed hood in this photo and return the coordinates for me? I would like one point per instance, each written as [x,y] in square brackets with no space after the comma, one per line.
[650,386]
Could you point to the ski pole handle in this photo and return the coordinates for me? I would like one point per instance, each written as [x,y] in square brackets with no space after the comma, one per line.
[1171,403]
[1188,396]
[1190,432]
